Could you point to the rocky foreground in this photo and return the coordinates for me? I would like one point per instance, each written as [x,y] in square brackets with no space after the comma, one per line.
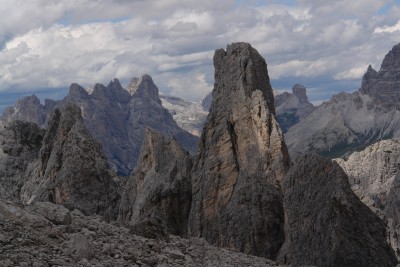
[46,234]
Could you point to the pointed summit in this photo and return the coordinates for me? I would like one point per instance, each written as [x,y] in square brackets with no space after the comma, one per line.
[147,89]
[242,159]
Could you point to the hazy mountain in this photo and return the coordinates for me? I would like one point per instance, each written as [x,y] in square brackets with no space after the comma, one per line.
[351,121]
[292,107]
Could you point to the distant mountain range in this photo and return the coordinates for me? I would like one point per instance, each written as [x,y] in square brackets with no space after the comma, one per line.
[118,118]
[352,121]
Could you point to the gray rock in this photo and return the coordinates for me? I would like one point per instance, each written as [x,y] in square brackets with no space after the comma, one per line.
[190,116]
[292,107]
[242,159]
[372,175]
[20,143]
[56,214]
[325,222]
[71,169]
[206,102]
[111,245]
[160,186]
[351,121]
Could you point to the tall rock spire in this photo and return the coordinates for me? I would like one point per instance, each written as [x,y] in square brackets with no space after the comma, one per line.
[236,179]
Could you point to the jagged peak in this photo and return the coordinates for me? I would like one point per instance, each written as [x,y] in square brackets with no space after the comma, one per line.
[147,89]
[113,92]
[301,92]
[391,62]
[33,99]
[75,90]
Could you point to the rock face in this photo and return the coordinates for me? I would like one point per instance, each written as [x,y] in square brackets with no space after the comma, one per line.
[350,122]
[30,238]
[28,109]
[115,118]
[160,186]
[206,103]
[372,175]
[292,107]
[383,86]
[242,159]
[20,143]
[188,115]
[71,169]
[325,222]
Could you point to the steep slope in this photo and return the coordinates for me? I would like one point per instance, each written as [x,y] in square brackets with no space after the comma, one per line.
[20,143]
[242,159]
[188,115]
[350,122]
[30,237]
[71,169]
[160,186]
[114,117]
[372,175]
[325,222]
[292,107]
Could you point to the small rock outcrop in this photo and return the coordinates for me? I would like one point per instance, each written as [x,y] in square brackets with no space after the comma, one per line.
[242,159]
[325,222]
[292,107]
[20,143]
[160,186]
[71,169]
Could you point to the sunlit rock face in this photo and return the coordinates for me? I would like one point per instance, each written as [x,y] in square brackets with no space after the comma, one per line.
[242,159]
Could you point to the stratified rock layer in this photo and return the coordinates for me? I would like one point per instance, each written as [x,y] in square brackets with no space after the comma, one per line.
[71,169]
[160,186]
[242,159]
[20,143]
[325,222]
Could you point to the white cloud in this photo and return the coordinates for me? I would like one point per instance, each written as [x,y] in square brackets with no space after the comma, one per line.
[174,41]
[388,29]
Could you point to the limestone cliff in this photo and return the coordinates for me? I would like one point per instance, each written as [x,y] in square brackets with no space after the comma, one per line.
[242,159]
[71,169]
[160,186]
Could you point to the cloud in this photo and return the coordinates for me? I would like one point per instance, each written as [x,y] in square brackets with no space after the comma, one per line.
[50,44]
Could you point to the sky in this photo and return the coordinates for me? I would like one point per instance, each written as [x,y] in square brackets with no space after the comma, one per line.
[324,45]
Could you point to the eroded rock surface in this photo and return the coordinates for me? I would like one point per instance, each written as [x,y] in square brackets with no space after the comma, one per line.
[374,176]
[20,143]
[325,222]
[27,238]
[160,186]
[242,159]
[71,169]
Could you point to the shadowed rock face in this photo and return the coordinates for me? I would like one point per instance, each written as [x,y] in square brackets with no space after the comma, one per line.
[20,143]
[71,169]
[160,186]
[242,159]
[374,176]
[325,222]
